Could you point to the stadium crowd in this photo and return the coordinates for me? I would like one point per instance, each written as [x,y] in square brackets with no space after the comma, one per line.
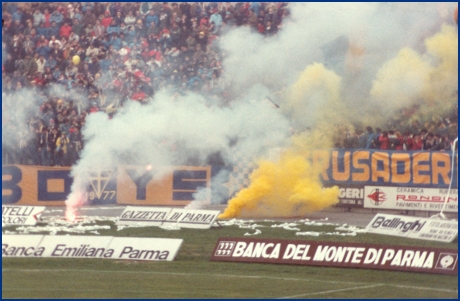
[113,52]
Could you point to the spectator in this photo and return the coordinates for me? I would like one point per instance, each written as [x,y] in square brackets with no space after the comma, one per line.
[65,30]
[62,150]
[216,22]
[53,31]
[151,17]
[106,20]
[393,141]
[75,143]
[113,28]
[417,143]
[384,140]
[130,19]
[429,142]
[38,18]
[56,17]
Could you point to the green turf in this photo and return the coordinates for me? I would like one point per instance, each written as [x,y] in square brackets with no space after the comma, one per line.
[193,275]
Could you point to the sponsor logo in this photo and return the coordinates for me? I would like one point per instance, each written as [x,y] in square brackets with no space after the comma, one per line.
[336,254]
[397,223]
[377,197]
[225,248]
[21,215]
[412,227]
[102,186]
[143,215]
[446,261]
[421,198]
[90,247]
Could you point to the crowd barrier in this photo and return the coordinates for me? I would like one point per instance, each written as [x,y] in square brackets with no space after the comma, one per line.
[423,177]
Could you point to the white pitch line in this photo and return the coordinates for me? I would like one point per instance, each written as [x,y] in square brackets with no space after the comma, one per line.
[222,275]
[177,274]
[94,290]
[333,291]
[424,288]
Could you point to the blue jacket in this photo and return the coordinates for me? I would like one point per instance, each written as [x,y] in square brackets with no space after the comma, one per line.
[53,31]
[116,42]
[113,29]
[149,19]
[56,17]
[370,138]
[17,16]
[42,31]
[43,50]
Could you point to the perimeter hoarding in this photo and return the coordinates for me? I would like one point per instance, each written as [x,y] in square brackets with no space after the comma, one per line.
[21,215]
[83,246]
[351,170]
[337,254]
[126,185]
[410,198]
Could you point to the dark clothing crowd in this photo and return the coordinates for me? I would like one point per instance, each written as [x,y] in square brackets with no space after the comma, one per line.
[109,53]
[78,58]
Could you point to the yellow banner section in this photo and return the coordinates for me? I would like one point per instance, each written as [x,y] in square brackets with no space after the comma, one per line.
[35,185]
[136,186]
[127,185]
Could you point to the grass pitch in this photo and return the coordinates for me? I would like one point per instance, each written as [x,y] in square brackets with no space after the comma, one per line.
[193,275]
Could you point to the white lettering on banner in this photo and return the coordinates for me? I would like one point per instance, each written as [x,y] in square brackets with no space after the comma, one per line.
[373,256]
[336,254]
[297,252]
[21,215]
[351,193]
[413,227]
[264,250]
[410,198]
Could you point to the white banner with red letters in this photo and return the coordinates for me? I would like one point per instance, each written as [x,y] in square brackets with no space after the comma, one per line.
[410,198]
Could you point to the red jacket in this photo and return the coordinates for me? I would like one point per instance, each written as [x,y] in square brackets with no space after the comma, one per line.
[65,31]
[47,20]
[140,96]
[418,144]
[106,21]
[383,141]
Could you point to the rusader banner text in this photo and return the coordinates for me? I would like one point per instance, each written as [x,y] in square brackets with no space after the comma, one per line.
[351,170]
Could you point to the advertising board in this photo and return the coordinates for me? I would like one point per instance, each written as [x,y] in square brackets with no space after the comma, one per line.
[83,246]
[337,254]
[21,215]
[413,227]
[410,198]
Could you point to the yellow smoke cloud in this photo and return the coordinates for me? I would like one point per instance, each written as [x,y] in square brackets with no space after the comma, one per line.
[429,80]
[290,186]
[285,188]
[442,49]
